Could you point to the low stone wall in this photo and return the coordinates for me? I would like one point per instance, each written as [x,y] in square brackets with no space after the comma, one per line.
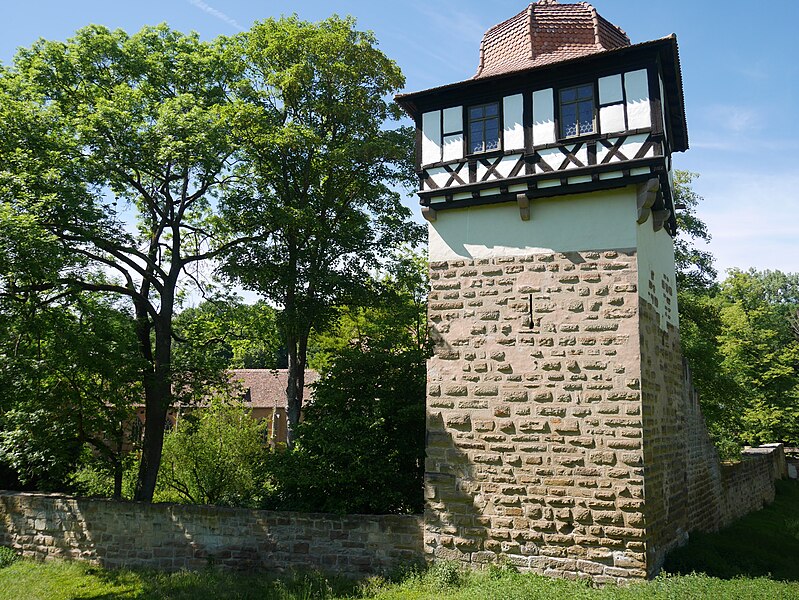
[719,493]
[749,485]
[172,537]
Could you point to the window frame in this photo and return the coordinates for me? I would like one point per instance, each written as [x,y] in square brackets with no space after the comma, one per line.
[485,118]
[592,85]
[454,133]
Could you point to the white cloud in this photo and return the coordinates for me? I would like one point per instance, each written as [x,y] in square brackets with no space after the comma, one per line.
[215,13]
[734,118]
[459,24]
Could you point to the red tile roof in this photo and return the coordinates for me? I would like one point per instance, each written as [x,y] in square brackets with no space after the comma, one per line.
[546,32]
[268,387]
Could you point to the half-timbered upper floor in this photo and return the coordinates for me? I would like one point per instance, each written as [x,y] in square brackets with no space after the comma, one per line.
[567,122]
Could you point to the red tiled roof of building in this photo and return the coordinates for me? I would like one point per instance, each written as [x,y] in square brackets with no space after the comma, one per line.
[546,32]
[268,386]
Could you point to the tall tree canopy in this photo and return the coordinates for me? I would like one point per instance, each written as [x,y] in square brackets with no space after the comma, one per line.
[106,129]
[69,375]
[315,191]
[128,161]
[695,268]
[738,336]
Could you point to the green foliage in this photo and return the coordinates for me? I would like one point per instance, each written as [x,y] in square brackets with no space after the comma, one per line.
[315,193]
[446,574]
[740,338]
[100,128]
[283,127]
[761,353]
[7,556]
[214,455]
[360,446]
[393,315]
[220,334]
[69,375]
[744,357]
[694,266]
[226,332]
[92,479]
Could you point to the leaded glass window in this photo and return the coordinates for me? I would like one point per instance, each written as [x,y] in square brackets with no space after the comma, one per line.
[484,127]
[577,110]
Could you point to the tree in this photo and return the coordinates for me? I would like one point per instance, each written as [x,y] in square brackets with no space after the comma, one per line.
[69,376]
[315,194]
[106,127]
[214,456]
[224,333]
[761,353]
[393,315]
[360,446]
[694,266]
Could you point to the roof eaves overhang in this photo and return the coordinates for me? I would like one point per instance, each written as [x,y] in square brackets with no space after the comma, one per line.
[414,103]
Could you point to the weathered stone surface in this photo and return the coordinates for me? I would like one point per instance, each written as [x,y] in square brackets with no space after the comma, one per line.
[173,537]
[570,420]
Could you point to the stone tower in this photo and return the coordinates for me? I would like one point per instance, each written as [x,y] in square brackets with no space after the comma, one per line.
[556,400]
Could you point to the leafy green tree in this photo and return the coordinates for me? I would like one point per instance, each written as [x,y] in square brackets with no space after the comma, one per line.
[103,129]
[360,445]
[69,376]
[226,332]
[761,353]
[394,315]
[214,455]
[721,396]
[316,192]
[694,266]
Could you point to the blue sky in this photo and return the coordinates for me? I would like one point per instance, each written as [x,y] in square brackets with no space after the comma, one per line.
[740,72]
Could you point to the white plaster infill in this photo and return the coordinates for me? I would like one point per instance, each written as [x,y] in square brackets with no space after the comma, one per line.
[656,267]
[602,220]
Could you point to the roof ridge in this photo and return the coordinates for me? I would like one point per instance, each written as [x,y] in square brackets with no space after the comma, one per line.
[552,32]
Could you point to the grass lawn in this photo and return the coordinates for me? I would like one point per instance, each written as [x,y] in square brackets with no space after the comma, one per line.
[762,544]
[733,563]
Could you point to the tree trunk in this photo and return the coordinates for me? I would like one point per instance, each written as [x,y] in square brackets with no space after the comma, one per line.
[157,400]
[295,393]
[294,389]
[118,480]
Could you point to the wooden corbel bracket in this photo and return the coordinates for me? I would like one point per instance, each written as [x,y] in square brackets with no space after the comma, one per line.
[647,195]
[524,206]
[429,214]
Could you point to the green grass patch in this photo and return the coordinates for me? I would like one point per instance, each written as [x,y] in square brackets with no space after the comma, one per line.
[26,580]
[762,544]
[58,580]
[734,563]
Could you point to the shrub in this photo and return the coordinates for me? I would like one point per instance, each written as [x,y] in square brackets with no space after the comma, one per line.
[360,446]
[214,455]
[7,556]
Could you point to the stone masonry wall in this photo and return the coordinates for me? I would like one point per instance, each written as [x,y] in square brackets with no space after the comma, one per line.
[535,434]
[666,445]
[718,494]
[572,445]
[686,486]
[172,537]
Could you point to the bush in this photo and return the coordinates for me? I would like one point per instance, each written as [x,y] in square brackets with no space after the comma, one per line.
[214,455]
[446,574]
[93,479]
[360,446]
[7,556]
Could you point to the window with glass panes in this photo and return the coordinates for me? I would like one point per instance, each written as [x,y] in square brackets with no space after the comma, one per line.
[577,110]
[484,127]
